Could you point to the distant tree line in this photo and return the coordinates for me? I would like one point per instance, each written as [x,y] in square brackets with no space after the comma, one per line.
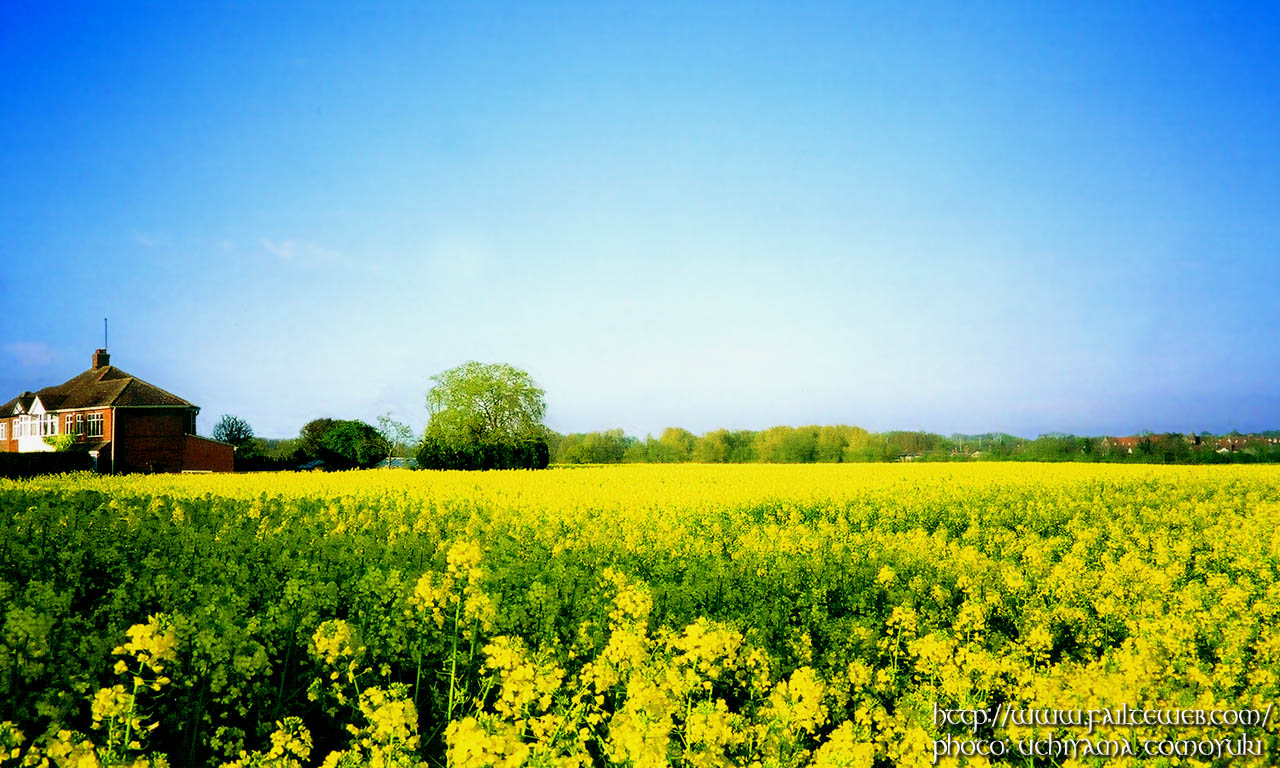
[489,416]
[480,417]
[349,444]
[335,444]
[324,443]
[841,443]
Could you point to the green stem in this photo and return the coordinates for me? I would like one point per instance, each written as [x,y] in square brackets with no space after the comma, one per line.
[133,704]
[688,713]
[288,658]
[417,675]
[453,660]
[197,711]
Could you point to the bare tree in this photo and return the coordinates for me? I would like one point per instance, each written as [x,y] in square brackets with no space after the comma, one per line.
[233,430]
[396,435]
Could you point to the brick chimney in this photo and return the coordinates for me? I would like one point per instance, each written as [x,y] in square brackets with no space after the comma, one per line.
[101,358]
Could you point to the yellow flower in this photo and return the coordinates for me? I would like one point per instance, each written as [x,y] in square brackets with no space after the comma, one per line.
[153,643]
[797,701]
[842,750]
[109,703]
[334,640]
[886,576]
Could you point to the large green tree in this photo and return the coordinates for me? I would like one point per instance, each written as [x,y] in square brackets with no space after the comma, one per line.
[479,403]
[342,443]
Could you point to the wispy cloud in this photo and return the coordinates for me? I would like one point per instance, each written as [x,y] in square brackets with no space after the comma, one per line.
[283,249]
[303,252]
[30,354]
[146,240]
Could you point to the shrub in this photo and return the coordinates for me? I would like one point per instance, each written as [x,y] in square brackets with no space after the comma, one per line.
[525,454]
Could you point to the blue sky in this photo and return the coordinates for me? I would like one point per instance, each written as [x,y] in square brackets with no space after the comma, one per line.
[1031,219]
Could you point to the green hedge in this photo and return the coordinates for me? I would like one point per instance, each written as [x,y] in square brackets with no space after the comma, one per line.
[527,454]
[14,465]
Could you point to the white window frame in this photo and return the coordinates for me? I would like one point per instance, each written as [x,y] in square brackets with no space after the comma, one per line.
[49,425]
[4,430]
[69,424]
[93,425]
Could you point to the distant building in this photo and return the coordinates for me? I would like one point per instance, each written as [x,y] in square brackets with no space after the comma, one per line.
[1233,443]
[397,463]
[1226,444]
[1126,444]
[123,422]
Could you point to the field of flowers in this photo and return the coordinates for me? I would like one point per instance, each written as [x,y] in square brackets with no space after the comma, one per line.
[644,615]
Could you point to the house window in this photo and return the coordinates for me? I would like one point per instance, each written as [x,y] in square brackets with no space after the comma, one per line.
[4,430]
[93,422]
[22,428]
[69,425]
[48,424]
[79,423]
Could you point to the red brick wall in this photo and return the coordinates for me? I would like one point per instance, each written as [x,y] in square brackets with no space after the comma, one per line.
[149,439]
[83,436]
[207,455]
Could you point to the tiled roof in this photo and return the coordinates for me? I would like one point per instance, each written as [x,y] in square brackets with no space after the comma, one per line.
[25,400]
[1131,442]
[107,386]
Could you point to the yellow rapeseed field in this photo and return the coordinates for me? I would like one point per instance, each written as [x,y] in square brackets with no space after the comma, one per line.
[644,615]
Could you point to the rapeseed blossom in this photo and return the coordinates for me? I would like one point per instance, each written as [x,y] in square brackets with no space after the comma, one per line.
[770,616]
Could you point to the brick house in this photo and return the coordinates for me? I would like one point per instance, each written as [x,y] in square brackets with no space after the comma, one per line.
[1233,443]
[1152,441]
[1126,444]
[124,423]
